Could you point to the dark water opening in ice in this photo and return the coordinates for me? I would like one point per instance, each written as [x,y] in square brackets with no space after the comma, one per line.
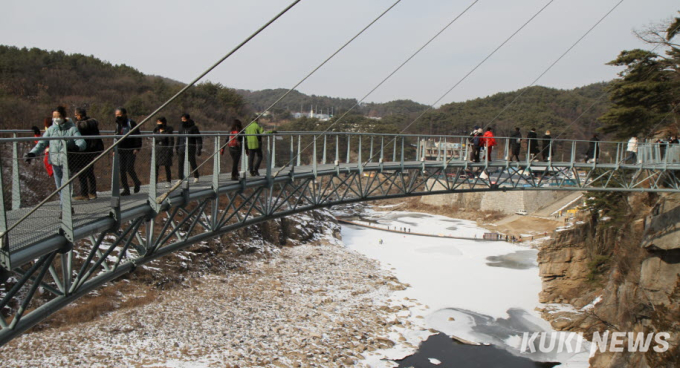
[519,260]
[454,354]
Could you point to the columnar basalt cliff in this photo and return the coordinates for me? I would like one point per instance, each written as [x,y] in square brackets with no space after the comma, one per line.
[618,269]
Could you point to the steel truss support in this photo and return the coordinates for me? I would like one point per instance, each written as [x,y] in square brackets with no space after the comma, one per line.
[167,227]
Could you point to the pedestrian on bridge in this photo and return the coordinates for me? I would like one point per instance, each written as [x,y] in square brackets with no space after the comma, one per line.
[593,152]
[547,150]
[194,143]
[475,142]
[515,144]
[62,126]
[87,126]
[47,122]
[632,149]
[235,145]
[128,149]
[489,142]
[254,147]
[165,143]
[532,144]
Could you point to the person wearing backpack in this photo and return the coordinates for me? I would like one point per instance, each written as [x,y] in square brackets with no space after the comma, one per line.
[235,142]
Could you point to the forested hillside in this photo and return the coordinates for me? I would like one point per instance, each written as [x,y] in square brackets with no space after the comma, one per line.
[533,107]
[33,82]
[300,102]
[572,112]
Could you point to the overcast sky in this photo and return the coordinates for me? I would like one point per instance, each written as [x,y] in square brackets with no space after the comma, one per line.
[179,39]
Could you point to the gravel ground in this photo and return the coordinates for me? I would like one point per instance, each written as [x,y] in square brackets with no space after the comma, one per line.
[305,306]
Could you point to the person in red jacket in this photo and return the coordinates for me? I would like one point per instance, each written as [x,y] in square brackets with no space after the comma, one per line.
[36,133]
[489,142]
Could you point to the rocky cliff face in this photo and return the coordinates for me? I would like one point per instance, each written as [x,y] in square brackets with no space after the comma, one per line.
[618,273]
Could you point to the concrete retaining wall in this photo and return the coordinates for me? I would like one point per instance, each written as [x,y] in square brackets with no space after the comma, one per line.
[506,202]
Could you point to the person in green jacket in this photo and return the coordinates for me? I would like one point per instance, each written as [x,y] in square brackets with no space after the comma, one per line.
[62,126]
[254,147]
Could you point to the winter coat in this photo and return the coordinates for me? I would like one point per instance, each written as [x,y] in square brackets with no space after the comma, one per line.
[195,143]
[632,145]
[532,142]
[252,141]
[516,140]
[593,148]
[489,140]
[59,147]
[130,143]
[545,140]
[165,143]
[90,127]
[477,140]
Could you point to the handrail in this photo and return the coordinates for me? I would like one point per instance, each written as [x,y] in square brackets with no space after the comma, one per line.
[150,134]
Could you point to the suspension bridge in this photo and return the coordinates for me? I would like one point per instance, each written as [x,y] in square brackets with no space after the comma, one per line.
[99,240]
[67,249]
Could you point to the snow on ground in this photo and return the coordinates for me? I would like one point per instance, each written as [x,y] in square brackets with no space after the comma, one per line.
[311,305]
[474,290]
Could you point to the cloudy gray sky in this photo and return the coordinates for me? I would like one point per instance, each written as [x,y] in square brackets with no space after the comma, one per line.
[179,39]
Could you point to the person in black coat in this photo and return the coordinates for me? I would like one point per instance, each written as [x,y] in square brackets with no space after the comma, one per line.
[532,143]
[164,146]
[127,150]
[87,126]
[235,144]
[515,144]
[593,152]
[476,144]
[195,144]
[547,149]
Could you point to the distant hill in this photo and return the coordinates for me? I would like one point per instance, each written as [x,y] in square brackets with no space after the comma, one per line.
[295,101]
[300,102]
[33,82]
[533,107]
[538,107]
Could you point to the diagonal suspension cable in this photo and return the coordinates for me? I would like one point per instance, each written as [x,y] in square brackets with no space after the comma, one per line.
[554,62]
[178,183]
[431,106]
[148,117]
[382,82]
[607,92]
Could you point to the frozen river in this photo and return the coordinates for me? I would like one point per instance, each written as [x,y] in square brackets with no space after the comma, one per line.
[481,291]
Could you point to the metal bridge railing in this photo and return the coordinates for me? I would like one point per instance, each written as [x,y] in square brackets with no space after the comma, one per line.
[285,153]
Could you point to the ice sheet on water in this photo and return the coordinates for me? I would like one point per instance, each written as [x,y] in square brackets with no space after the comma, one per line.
[454,279]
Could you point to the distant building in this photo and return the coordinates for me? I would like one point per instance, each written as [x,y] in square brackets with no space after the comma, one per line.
[432,150]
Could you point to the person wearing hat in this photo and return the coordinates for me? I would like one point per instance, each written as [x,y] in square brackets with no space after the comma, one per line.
[474,148]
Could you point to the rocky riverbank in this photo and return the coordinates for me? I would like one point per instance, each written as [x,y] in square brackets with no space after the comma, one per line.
[309,305]
[618,270]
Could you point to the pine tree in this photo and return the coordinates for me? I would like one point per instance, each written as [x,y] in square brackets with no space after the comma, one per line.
[646,97]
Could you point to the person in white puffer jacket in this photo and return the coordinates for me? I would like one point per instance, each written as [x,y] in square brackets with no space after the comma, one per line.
[632,150]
